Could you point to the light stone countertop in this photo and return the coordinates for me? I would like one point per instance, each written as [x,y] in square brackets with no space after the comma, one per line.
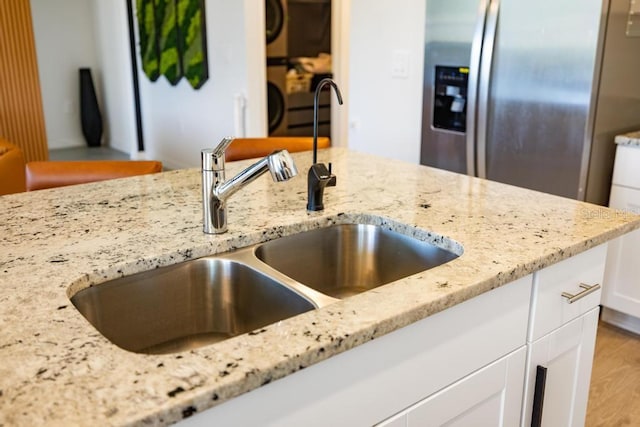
[56,369]
[631,138]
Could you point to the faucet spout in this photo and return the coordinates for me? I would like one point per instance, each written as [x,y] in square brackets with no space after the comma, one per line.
[316,99]
[319,176]
[216,191]
[279,164]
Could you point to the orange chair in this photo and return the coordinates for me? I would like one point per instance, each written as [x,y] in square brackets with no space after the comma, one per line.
[248,148]
[12,175]
[17,176]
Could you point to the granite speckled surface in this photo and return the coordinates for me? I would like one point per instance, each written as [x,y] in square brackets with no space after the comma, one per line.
[631,138]
[56,369]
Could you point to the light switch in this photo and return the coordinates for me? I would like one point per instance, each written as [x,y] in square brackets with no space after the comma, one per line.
[400,64]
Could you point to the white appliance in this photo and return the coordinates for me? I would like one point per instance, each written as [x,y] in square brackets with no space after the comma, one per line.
[621,290]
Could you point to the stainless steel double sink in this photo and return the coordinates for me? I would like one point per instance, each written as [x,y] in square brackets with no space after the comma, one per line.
[210,299]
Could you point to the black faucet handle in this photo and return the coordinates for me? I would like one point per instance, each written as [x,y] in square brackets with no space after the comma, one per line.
[319,175]
[318,178]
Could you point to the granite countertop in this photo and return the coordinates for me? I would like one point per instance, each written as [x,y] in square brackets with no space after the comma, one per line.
[56,369]
[631,138]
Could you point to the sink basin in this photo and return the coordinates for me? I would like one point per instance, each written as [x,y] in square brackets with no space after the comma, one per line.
[344,260]
[188,305]
[207,300]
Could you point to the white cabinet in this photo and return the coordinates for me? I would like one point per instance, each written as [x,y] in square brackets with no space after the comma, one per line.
[472,364]
[561,340]
[567,356]
[376,380]
[621,296]
[490,396]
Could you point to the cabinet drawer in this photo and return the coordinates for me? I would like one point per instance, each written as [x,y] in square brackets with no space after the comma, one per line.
[549,309]
[626,171]
[627,199]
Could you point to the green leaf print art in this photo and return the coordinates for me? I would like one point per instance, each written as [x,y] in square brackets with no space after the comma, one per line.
[191,25]
[149,52]
[173,40]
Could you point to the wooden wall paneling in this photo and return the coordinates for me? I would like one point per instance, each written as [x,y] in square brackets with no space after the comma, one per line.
[21,111]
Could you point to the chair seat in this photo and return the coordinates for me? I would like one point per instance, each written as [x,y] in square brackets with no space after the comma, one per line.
[249,148]
[41,175]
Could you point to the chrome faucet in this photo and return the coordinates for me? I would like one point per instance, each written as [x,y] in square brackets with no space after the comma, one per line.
[216,191]
[319,176]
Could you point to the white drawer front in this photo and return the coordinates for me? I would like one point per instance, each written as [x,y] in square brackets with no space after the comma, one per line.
[626,171]
[549,309]
[627,199]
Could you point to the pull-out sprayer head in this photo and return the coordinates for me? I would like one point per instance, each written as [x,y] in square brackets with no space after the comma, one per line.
[281,166]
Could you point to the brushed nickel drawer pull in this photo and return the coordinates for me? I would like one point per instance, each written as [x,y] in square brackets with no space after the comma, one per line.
[587,290]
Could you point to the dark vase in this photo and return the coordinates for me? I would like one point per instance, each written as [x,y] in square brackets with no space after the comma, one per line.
[89,110]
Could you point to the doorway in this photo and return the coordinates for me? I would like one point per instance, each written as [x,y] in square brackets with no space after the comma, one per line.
[300,40]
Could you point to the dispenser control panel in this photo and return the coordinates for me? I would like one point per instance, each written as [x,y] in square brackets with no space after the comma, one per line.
[450,98]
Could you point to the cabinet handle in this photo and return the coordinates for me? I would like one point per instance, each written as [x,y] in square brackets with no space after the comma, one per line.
[538,396]
[571,298]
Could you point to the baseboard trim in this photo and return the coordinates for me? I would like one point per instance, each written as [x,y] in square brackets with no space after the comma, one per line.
[621,320]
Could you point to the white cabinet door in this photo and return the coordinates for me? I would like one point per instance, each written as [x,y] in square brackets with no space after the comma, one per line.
[622,275]
[567,356]
[490,396]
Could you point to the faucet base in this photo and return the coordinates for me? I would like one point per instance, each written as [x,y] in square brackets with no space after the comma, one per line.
[318,178]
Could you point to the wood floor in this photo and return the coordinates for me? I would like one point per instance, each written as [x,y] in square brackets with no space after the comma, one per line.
[614,396]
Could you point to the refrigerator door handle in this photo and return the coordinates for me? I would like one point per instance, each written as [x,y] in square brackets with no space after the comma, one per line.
[483,86]
[472,93]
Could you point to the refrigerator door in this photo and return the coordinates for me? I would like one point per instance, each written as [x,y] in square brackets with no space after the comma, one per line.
[454,31]
[538,112]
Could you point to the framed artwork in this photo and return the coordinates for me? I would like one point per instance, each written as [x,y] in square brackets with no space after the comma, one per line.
[172,37]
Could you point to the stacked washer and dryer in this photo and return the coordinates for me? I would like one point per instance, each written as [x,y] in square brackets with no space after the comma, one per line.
[277,59]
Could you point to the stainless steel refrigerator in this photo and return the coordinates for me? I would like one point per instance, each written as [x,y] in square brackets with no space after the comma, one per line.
[531,93]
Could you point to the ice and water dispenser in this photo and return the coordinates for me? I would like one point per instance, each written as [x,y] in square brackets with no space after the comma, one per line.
[450,98]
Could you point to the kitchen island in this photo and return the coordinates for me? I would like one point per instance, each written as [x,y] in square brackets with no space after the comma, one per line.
[56,369]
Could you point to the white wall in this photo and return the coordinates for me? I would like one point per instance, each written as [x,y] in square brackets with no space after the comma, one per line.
[178,120]
[385,113]
[340,31]
[64,42]
[115,74]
